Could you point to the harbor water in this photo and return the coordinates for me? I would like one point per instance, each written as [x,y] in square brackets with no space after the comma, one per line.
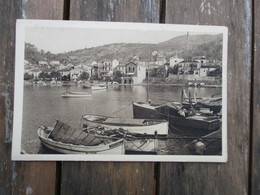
[43,105]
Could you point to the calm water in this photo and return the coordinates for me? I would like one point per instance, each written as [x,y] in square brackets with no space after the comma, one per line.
[42,105]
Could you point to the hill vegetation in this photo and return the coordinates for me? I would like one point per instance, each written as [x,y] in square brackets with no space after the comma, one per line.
[209,46]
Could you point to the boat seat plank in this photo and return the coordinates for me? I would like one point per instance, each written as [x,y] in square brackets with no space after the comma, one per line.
[124,121]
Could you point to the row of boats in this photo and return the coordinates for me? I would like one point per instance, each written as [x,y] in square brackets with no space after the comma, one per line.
[104,135]
[113,135]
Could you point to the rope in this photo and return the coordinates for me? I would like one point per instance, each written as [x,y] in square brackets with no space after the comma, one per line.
[122,108]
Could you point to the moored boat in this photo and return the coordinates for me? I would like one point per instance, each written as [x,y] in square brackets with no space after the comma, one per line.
[143,110]
[189,120]
[134,143]
[99,87]
[64,139]
[138,126]
[75,94]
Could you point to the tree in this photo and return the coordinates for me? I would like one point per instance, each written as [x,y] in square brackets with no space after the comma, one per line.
[27,76]
[65,78]
[56,75]
[84,76]
[44,75]
[173,70]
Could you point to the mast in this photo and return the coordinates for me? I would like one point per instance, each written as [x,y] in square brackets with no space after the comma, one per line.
[185,63]
[147,97]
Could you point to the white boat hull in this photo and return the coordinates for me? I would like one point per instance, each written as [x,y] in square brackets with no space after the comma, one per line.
[116,147]
[159,128]
[98,88]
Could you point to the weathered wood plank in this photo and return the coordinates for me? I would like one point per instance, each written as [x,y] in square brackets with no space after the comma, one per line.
[110,177]
[9,11]
[20,177]
[107,178]
[115,10]
[38,177]
[230,177]
[255,187]
[42,9]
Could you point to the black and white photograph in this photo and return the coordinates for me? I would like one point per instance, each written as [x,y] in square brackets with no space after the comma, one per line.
[104,91]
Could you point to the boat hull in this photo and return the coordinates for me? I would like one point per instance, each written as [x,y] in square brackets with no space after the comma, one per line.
[142,146]
[161,128]
[76,95]
[116,147]
[145,111]
[98,88]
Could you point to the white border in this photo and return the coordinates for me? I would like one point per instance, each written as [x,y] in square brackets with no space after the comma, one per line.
[18,94]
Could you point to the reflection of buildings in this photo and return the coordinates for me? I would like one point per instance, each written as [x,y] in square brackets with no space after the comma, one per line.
[134,74]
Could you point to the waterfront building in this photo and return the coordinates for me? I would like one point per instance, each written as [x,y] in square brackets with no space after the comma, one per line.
[75,73]
[134,74]
[121,68]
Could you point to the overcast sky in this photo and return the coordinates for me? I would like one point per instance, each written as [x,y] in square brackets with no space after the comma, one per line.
[59,40]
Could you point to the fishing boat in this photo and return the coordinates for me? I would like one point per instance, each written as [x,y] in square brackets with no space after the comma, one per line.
[142,110]
[75,95]
[99,87]
[138,126]
[64,139]
[189,120]
[213,103]
[135,143]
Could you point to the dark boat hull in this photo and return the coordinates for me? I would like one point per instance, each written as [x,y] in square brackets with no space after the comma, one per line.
[189,125]
[145,111]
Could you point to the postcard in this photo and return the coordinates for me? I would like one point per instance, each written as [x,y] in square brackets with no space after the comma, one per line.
[113,91]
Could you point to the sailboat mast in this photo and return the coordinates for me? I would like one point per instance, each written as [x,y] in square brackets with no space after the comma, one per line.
[185,64]
[147,97]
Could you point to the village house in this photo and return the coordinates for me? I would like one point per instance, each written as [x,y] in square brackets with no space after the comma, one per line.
[121,68]
[115,63]
[65,72]
[75,73]
[134,74]
[94,63]
[205,70]
[160,60]
[175,60]
[55,63]
[201,60]
[187,67]
[43,63]
[95,72]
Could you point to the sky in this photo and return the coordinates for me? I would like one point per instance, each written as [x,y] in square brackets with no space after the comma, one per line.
[59,40]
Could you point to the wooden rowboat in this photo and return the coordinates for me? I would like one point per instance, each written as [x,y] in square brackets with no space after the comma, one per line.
[138,126]
[64,139]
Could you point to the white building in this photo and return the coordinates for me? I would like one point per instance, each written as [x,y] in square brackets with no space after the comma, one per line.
[43,62]
[75,73]
[201,60]
[115,63]
[134,74]
[54,62]
[175,60]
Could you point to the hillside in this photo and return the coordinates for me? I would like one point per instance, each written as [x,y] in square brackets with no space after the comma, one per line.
[206,45]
